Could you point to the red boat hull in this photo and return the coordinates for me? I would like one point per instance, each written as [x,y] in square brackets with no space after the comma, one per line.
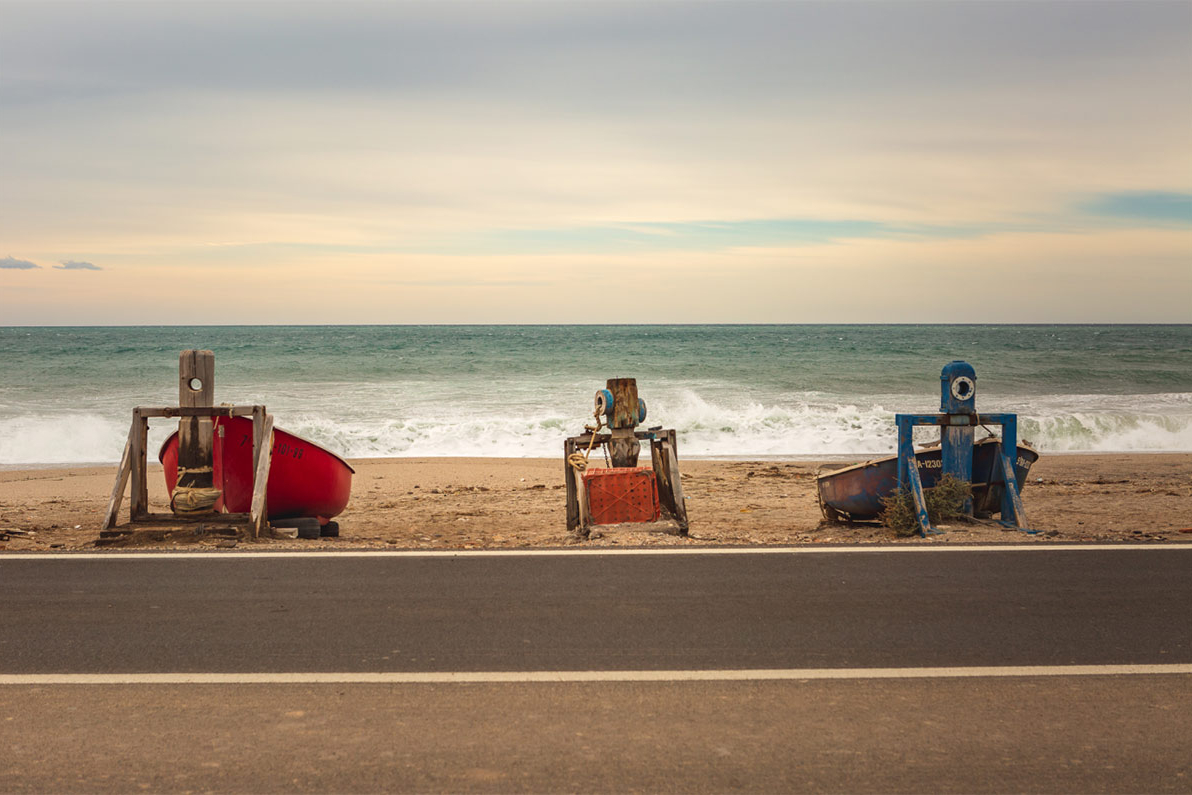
[304,479]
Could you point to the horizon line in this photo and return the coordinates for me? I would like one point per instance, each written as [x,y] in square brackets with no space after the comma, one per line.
[591,325]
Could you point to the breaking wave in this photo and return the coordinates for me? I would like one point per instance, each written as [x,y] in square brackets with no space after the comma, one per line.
[726,425]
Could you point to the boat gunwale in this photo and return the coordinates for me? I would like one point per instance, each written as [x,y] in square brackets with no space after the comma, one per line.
[162,450]
[934,445]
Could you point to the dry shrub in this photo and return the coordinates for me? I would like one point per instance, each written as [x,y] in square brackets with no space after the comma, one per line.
[945,501]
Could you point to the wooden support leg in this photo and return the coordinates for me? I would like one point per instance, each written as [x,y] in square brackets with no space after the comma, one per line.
[581,499]
[916,489]
[908,471]
[111,518]
[666,495]
[1012,498]
[262,450]
[138,507]
[676,482]
[569,477]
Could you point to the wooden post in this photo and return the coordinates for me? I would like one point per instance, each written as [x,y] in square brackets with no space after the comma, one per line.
[138,500]
[670,450]
[581,499]
[196,388]
[623,448]
[569,478]
[666,472]
[262,449]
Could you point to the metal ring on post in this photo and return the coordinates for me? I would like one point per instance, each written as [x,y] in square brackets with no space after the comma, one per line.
[963,388]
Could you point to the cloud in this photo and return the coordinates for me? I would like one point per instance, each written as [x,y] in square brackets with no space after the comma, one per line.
[17,264]
[71,265]
[1154,206]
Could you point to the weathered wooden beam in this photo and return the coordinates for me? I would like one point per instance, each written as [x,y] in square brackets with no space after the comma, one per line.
[111,519]
[218,519]
[1012,500]
[138,499]
[195,411]
[601,438]
[196,388]
[262,458]
[569,478]
[666,494]
[581,499]
[623,447]
[676,481]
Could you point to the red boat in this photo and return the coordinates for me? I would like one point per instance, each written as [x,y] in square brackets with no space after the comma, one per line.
[304,478]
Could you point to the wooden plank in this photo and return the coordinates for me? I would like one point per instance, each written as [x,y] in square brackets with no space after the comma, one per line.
[263,457]
[676,482]
[1014,500]
[196,388]
[138,501]
[111,517]
[581,498]
[666,494]
[170,412]
[582,442]
[218,519]
[569,478]
[920,501]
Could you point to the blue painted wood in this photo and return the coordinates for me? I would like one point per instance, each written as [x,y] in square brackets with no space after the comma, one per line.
[958,414]
[1010,496]
[908,471]
[958,396]
[920,500]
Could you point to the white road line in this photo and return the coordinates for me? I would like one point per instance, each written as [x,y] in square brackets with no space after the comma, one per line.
[499,677]
[531,553]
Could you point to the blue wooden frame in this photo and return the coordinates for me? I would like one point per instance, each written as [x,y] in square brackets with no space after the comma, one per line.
[908,472]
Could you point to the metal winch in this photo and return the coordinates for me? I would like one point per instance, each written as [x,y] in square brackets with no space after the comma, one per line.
[622,491]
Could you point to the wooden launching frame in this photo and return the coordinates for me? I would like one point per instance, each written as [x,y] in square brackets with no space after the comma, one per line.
[664,457]
[195,413]
[133,468]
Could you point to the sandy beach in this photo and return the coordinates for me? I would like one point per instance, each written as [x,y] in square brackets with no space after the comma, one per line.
[486,503]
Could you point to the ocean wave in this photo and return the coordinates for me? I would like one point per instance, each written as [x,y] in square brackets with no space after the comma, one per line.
[729,426]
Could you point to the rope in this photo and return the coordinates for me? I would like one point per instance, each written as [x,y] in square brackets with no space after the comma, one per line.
[579,461]
[190,499]
[193,499]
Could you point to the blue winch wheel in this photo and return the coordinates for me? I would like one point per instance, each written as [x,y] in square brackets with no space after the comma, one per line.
[641,410]
[604,403]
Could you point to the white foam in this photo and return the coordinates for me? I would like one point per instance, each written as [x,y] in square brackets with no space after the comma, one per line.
[712,421]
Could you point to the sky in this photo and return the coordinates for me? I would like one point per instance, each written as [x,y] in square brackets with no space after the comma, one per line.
[550,162]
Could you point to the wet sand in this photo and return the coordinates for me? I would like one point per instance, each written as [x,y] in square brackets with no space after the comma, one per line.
[485,503]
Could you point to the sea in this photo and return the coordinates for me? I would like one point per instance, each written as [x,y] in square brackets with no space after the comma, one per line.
[783,392]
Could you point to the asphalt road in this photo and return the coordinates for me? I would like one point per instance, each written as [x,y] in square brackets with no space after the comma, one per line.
[606,613]
[581,612]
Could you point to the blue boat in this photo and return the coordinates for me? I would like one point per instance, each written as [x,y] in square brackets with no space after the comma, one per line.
[855,493]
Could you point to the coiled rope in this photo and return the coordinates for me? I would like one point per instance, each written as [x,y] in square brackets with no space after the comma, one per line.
[579,461]
[193,499]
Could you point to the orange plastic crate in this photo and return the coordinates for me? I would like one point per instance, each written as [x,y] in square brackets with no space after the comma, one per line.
[622,494]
